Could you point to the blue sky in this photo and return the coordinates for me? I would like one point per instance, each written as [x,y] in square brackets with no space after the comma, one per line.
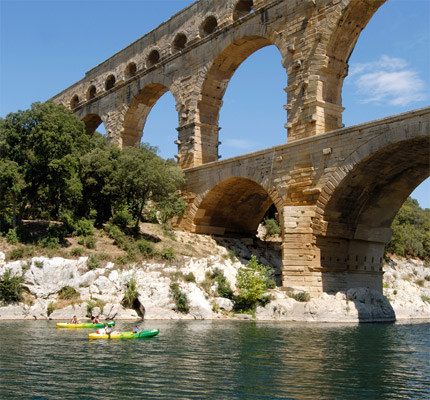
[45,46]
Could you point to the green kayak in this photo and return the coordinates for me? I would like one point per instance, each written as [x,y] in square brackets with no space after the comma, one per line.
[84,325]
[124,335]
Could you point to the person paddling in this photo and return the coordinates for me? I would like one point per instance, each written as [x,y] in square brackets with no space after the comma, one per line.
[74,320]
[96,320]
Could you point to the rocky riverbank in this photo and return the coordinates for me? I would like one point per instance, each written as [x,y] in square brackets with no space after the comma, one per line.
[102,290]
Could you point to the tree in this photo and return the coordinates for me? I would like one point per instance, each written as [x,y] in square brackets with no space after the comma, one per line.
[252,282]
[142,176]
[46,143]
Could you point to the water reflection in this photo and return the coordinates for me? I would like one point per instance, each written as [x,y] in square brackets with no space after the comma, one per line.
[217,360]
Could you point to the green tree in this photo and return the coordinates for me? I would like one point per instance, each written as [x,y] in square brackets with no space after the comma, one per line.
[252,282]
[143,176]
[411,231]
[46,142]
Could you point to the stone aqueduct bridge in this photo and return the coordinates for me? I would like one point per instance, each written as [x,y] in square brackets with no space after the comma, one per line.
[336,189]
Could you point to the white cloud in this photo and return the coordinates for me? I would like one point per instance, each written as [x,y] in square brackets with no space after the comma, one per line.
[388,81]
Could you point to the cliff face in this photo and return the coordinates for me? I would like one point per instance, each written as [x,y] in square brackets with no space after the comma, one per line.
[406,290]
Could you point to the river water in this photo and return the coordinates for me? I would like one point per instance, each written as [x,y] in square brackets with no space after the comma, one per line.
[217,360]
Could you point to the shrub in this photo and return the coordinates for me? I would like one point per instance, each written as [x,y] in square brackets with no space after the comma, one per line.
[76,252]
[300,296]
[122,219]
[90,242]
[272,226]
[93,262]
[12,237]
[425,298]
[84,227]
[224,289]
[90,307]
[168,253]
[51,308]
[190,277]
[17,253]
[420,282]
[145,247]
[131,292]
[10,287]
[67,293]
[179,297]
[50,242]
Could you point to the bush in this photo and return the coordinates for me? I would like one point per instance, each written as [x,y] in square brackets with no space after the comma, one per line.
[252,283]
[300,296]
[12,237]
[168,253]
[145,247]
[84,227]
[131,293]
[76,252]
[272,226]
[122,219]
[224,289]
[90,307]
[190,277]
[10,287]
[67,293]
[51,308]
[180,298]
[93,262]
[17,253]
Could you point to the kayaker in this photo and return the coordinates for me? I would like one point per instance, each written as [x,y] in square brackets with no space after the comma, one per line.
[96,320]
[74,320]
[135,329]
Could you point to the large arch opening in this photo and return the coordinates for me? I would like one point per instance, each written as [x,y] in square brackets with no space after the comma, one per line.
[92,122]
[234,206]
[360,211]
[152,118]
[233,211]
[214,89]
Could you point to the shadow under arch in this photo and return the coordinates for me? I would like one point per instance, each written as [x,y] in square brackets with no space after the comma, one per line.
[215,84]
[92,122]
[138,111]
[233,206]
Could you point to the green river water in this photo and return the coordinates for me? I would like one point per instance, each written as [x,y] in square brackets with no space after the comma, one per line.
[217,360]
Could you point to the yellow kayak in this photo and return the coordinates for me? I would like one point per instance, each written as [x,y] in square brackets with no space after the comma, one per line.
[124,335]
[84,325]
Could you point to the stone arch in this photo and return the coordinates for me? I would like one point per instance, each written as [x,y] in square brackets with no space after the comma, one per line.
[214,86]
[110,82]
[74,102]
[138,111]
[153,58]
[91,121]
[179,42]
[131,70]
[235,205]
[208,26]
[373,183]
[91,92]
[242,8]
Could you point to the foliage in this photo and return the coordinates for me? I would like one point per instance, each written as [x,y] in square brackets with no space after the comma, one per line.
[179,297]
[300,296]
[12,237]
[51,308]
[11,287]
[252,282]
[131,292]
[67,293]
[168,253]
[411,231]
[272,226]
[145,247]
[224,288]
[190,277]
[93,262]
[90,307]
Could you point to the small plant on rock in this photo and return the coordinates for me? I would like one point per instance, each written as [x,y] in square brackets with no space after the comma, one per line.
[131,293]
[179,297]
[11,287]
